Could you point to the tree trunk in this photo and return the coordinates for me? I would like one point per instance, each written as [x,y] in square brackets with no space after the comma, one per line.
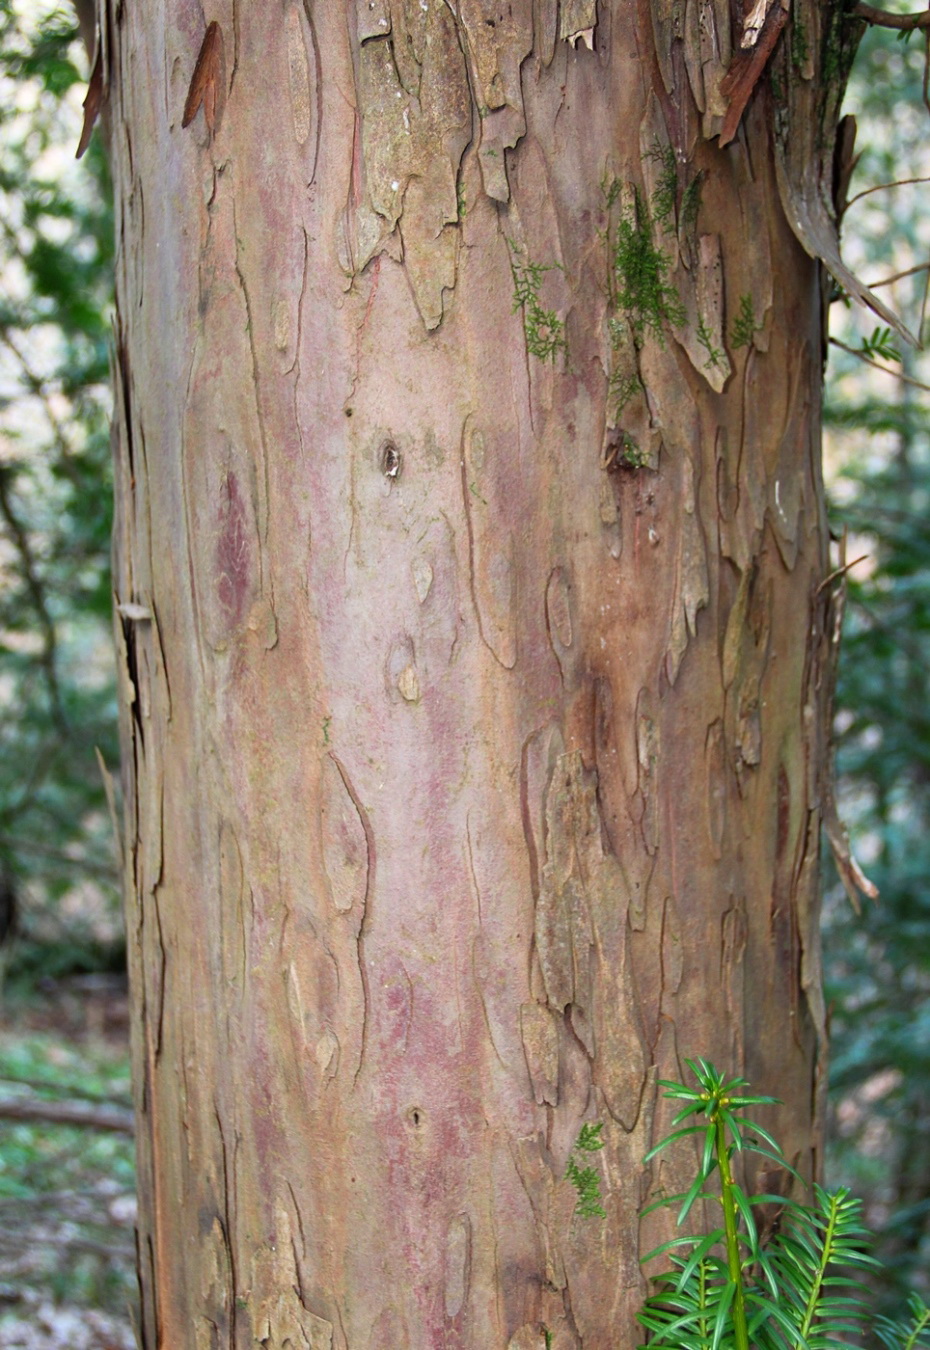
[475,652]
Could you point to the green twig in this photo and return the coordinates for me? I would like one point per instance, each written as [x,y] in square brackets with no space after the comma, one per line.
[731,1228]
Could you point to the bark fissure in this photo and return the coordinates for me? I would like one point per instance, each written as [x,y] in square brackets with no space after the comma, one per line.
[261,505]
[362,918]
[228,1229]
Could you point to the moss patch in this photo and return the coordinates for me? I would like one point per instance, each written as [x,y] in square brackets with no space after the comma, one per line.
[640,272]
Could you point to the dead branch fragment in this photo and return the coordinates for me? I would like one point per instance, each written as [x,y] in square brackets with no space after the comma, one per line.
[746,70]
[92,101]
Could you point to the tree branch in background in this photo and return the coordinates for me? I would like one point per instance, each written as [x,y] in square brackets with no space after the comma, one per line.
[103,871]
[112,1118]
[21,543]
[880,187]
[87,22]
[895,374]
[66,1089]
[882,19]
[899,276]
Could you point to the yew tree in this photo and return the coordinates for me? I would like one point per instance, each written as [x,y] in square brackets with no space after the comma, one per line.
[477,632]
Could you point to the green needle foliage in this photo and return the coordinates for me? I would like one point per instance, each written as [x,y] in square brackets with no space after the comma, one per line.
[640,275]
[544,329]
[585,1179]
[905,1334]
[733,1289]
[881,344]
[744,325]
[666,190]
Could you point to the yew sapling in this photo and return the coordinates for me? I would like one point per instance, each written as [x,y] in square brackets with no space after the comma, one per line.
[789,1286]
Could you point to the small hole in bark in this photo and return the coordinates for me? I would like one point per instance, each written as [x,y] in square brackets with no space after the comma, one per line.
[348,412]
[390,460]
[415,1116]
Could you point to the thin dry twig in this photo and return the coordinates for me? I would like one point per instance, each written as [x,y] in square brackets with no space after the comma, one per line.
[840,571]
[899,276]
[881,187]
[895,374]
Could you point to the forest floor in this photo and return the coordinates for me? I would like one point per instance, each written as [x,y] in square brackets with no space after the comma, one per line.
[67,1192]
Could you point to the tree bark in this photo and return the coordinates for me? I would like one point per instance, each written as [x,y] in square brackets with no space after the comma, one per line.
[475,658]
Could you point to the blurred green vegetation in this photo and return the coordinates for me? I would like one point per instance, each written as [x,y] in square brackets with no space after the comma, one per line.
[878,963]
[66,1192]
[39,1158]
[57,687]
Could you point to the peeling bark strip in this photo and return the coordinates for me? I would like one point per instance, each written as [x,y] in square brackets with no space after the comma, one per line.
[474,648]
[762,30]
[806,138]
[755,20]
[93,100]
[208,82]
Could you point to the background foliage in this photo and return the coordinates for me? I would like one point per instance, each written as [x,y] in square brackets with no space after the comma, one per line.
[878,963]
[56,669]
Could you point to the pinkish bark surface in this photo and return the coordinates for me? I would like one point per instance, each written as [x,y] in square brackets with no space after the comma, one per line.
[474,746]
